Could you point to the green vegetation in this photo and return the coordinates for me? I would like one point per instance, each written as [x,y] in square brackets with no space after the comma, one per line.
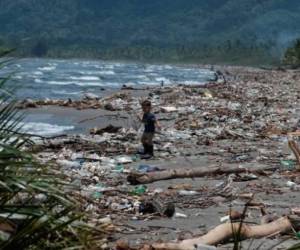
[209,54]
[169,30]
[35,212]
[292,55]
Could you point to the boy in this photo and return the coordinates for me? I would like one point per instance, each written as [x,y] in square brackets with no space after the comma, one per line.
[150,123]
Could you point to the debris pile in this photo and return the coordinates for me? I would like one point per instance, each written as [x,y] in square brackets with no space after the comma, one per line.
[222,146]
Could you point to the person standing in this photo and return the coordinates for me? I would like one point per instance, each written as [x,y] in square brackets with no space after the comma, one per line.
[150,122]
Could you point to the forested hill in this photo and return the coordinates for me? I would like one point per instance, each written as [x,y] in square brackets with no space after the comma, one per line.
[146,29]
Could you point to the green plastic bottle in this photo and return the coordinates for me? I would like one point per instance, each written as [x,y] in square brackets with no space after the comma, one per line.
[139,190]
[288,164]
[97,194]
[119,168]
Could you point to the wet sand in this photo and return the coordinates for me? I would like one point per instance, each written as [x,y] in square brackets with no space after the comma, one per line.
[82,120]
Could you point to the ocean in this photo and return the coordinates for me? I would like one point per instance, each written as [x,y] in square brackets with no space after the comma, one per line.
[63,79]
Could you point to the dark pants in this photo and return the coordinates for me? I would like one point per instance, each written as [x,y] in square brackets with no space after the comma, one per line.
[147,141]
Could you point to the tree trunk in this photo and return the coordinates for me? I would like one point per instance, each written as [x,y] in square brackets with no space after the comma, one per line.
[226,231]
[294,147]
[136,178]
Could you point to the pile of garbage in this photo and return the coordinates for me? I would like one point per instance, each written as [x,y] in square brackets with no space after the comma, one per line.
[116,102]
[231,137]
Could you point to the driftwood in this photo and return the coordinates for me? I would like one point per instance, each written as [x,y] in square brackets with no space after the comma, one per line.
[294,147]
[136,178]
[116,116]
[224,232]
[75,143]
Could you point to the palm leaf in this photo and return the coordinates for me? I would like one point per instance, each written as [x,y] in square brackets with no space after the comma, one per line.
[46,224]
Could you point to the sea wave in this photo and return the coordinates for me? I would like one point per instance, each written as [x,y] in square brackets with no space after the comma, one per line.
[62,83]
[143,77]
[107,72]
[65,92]
[38,81]
[47,68]
[17,77]
[163,79]
[38,73]
[44,129]
[109,66]
[74,83]
[85,78]
[193,83]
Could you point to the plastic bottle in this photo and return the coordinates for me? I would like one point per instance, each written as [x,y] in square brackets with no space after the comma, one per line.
[147,169]
[288,164]
[119,168]
[97,194]
[139,190]
[136,158]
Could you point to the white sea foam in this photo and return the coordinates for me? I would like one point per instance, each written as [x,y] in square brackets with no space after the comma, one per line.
[149,69]
[141,77]
[74,83]
[65,92]
[47,68]
[107,72]
[112,84]
[163,79]
[18,77]
[38,73]
[109,66]
[152,74]
[44,129]
[89,72]
[193,83]
[85,78]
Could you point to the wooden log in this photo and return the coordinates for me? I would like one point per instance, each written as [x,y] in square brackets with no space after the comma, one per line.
[136,178]
[295,149]
[224,232]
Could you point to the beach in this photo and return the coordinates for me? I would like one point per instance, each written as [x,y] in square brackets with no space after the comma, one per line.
[240,121]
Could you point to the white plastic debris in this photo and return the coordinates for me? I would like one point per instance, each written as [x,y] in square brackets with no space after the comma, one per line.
[105,220]
[158,190]
[69,164]
[187,192]
[180,215]
[225,218]
[290,184]
[124,159]
[293,186]
[168,109]
[208,94]
[296,210]
[90,96]
[204,247]
[75,156]
[94,156]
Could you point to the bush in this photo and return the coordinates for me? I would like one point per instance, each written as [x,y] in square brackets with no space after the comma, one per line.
[292,55]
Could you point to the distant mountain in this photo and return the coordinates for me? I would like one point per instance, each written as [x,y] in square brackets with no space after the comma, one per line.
[181,25]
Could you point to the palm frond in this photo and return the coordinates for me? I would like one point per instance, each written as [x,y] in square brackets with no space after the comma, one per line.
[32,197]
